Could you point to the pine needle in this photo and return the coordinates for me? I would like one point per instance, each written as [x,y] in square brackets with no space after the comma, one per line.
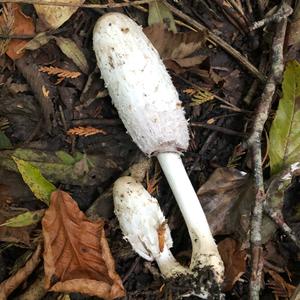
[85,131]
[60,73]
[199,96]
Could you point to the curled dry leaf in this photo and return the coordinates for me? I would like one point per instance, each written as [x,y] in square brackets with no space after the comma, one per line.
[20,25]
[234,261]
[77,257]
[54,16]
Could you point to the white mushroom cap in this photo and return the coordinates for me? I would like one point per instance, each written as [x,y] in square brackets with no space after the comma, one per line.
[140,217]
[139,85]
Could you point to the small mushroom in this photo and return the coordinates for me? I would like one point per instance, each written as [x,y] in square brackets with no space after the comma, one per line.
[149,106]
[141,220]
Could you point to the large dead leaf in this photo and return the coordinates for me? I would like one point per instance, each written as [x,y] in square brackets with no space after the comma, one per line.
[54,16]
[18,24]
[174,45]
[234,261]
[77,257]
[220,197]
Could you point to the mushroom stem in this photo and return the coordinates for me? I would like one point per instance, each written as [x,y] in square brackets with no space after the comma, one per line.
[205,251]
[168,265]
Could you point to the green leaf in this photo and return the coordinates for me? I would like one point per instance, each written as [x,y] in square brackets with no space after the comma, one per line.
[71,50]
[25,219]
[4,141]
[38,184]
[285,129]
[159,13]
[65,157]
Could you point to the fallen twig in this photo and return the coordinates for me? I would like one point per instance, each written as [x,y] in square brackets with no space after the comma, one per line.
[216,128]
[277,217]
[254,144]
[216,39]
[283,12]
[10,284]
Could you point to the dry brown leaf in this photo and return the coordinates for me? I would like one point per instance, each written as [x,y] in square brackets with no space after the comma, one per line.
[174,45]
[54,16]
[234,261]
[20,25]
[85,131]
[10,284]
[77,257]
[182,65]
[221,197]
[61,73]
[279,286]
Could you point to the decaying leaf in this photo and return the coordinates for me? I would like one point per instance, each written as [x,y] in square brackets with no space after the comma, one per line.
[160,13]
[220,198]
[25,219]
[38,184]
[57,170]
[234,261]
[19,24]
[60,73]
[72,51]
[285,131]
[77,257]
[85,131]
[38,41]
[174,45]
[54,16]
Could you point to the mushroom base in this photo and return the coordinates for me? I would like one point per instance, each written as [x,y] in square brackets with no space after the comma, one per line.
[200,284]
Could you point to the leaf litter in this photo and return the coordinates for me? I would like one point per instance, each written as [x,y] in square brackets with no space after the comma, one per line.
[74,154]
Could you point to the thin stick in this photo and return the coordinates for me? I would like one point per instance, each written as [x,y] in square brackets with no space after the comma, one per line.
[54,3]
[216,39]
[277,217]
[254,143]
[283,12]
[217,128]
